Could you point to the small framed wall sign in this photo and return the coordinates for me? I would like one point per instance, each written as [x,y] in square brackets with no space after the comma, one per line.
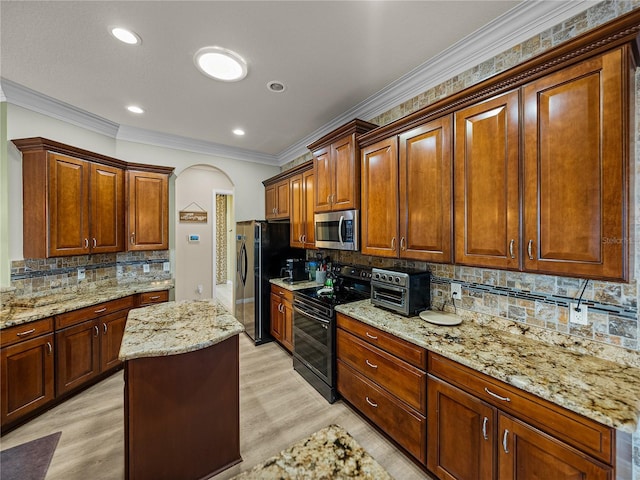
[193,216]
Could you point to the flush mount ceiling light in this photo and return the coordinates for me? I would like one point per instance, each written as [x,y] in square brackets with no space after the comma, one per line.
[125,36]
[135,109]
[238,131]
[221,64]
[276,86]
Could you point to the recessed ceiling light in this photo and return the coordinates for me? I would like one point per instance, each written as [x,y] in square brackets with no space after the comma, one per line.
[135,109]
[239,132]
[126,36]
[221,64]
[276,86]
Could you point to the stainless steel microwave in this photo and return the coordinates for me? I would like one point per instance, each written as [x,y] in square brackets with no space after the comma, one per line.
[337,230]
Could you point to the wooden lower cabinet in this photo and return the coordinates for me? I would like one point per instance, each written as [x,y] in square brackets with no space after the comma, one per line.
[111,333]
[77,356]
[26,378]
[473,437]
[282,316]
[385,385]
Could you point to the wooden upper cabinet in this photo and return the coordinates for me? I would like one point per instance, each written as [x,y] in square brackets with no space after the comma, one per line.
[68,206]
[336,166]
[277,200]
[486,183]
[148,210]
[379,216]
[302,226]
[107,209]
[425,192]
[575,170]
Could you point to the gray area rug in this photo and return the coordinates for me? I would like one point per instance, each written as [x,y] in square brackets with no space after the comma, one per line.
[29,461]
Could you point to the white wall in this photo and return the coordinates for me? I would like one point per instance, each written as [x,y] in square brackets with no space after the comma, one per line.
[246,177]
[194,261]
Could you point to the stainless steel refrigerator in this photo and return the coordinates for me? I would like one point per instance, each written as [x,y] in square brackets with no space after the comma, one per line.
[261,251]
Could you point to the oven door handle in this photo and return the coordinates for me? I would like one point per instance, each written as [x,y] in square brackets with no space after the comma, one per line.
[308,315]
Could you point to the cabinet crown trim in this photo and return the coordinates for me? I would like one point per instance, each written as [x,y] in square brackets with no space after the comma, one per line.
[356,126]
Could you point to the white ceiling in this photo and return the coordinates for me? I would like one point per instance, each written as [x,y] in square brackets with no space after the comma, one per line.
[338,59]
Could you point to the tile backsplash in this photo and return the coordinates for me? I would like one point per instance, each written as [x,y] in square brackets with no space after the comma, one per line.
[51,275]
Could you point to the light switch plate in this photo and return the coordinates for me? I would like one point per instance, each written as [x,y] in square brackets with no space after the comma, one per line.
[81,273]
[145,268]
[578,317]
[166,266]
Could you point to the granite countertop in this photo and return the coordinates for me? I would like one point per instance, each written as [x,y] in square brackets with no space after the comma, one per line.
[29,309]
[280,282]
[176,327]
[603,390]
[330,453]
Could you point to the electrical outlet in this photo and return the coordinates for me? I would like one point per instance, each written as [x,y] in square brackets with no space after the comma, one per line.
[166,266]
[199,289]
[578,317]
[81,273]
[145,268]
[456,291]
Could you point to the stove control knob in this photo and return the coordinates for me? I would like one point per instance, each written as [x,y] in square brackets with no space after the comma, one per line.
[383,277]
[397,279]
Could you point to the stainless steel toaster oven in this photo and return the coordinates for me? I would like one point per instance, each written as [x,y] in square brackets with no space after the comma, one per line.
[405,291]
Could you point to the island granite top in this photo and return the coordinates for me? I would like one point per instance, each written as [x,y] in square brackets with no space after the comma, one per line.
[176,327]
[603,390]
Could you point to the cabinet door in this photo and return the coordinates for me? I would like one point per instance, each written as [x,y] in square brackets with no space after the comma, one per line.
[575,170]
[528,454]
[283,199]
[461,432]
[77,355]
[26,378]
[270,201]
[107,209]
[297,212]
[345,175]
[277,317]
[148,211]
[287,325]
[111,333]
[68,206]
[379,224]
[308,188]
[425,192]
[486,183]
[324,183]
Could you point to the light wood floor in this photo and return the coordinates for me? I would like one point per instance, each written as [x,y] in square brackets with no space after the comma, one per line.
[277,408]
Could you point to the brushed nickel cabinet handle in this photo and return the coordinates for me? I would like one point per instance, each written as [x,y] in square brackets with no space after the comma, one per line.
[372,365]
[393,243]
[484,428]
[370,402]
[104,327]
[100,310]
[49,348]
[495,395]
[86,243]
[511,248]
[132,238]
[403,243]
[96,329]
[370,336]
[95,242]
[504,441]
[529,249]
[155,297]
[304,239]
[24,334]
[329,199]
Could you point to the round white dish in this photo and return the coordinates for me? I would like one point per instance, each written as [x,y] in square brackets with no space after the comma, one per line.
[440,318]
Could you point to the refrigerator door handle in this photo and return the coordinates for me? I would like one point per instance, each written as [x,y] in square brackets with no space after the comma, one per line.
[246,261]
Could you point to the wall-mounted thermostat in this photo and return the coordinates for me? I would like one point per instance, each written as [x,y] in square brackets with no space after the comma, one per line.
[193,238]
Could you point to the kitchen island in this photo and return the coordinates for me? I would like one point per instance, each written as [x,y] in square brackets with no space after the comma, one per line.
[181,390]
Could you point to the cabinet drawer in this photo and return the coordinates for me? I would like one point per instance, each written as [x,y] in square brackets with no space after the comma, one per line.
[149,298]
[282,292]
[11,335]
[403,424]
[407,351]
[397,376]
[87,313]
[585,434]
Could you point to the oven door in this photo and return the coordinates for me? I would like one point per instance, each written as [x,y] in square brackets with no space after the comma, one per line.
[313,339]
[390,296]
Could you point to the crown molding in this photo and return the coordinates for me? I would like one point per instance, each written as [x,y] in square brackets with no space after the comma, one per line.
[517,25]
[35,101]
[527,19]
[177,142]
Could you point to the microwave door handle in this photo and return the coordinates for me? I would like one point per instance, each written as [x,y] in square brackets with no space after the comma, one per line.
[340,229]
